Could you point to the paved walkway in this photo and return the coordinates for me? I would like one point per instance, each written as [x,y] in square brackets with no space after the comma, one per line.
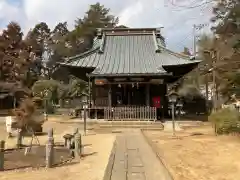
[135,160]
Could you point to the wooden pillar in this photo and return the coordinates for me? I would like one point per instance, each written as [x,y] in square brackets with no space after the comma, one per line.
[129,95]
[94,98]
[89,92]
[165,101]
[148,94]
[110,95]
[93,92]
[90,97]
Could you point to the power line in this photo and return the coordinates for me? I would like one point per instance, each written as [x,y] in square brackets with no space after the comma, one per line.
[190,7]
[190,34]
[180,43]
[184,39]
[202,8]
[181,6]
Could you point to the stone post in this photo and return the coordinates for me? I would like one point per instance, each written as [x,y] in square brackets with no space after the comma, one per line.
[69,143]
[50,149]
[65,142]
[77,150]
[80,144]
[2,146]
[19,138]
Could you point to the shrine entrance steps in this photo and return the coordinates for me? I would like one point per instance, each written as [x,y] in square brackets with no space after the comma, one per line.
[131,124]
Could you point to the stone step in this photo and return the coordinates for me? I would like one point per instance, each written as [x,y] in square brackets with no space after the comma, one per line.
[132,126]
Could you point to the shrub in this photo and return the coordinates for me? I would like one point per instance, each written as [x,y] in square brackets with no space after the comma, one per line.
[226,121]
[25,116]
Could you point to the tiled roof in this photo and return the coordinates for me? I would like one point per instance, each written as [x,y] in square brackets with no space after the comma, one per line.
[138,52]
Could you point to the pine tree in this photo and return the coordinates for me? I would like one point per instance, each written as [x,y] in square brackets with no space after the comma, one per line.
[98,16]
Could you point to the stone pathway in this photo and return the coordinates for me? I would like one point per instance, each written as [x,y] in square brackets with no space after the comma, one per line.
[135,160]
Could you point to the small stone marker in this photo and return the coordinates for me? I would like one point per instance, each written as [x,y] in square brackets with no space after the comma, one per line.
[50,149]
[2,147]
[77,150]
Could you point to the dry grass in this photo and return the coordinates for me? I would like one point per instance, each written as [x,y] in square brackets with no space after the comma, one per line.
[199,157]
[91,167]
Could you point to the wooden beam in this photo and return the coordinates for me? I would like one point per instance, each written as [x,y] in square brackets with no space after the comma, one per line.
[148,95]
[110,95]
[133,82]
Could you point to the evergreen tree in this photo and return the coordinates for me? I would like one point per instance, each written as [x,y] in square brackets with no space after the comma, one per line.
[58,44]
[98,16]
[16,55]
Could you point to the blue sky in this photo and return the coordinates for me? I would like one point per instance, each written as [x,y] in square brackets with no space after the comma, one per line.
[177,22]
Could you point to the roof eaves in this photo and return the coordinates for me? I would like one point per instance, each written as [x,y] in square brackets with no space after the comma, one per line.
[182,64]
[69,61]
[74,66]
[97,46]
[130,74]
[186,57]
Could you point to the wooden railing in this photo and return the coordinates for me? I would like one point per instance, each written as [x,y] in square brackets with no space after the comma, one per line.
[130,113]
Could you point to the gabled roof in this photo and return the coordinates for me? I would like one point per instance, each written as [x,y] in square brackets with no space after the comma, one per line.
[119,52]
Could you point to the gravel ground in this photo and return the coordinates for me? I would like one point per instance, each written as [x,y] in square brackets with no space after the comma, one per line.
[199,157]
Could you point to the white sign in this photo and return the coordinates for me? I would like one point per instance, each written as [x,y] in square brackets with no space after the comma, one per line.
[8,122]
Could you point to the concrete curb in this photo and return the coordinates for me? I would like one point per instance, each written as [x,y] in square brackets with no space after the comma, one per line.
[109,167]
[158,155]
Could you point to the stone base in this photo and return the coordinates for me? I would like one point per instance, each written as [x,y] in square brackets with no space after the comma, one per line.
[168,126]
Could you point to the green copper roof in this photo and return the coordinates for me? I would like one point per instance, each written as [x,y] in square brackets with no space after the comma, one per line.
[124,52]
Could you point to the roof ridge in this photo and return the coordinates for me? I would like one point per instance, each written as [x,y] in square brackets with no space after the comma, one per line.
[129,29]
[157,49]
[102,43]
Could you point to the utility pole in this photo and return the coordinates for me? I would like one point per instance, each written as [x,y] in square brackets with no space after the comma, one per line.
[195,28]
[195,53]
[194,40]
